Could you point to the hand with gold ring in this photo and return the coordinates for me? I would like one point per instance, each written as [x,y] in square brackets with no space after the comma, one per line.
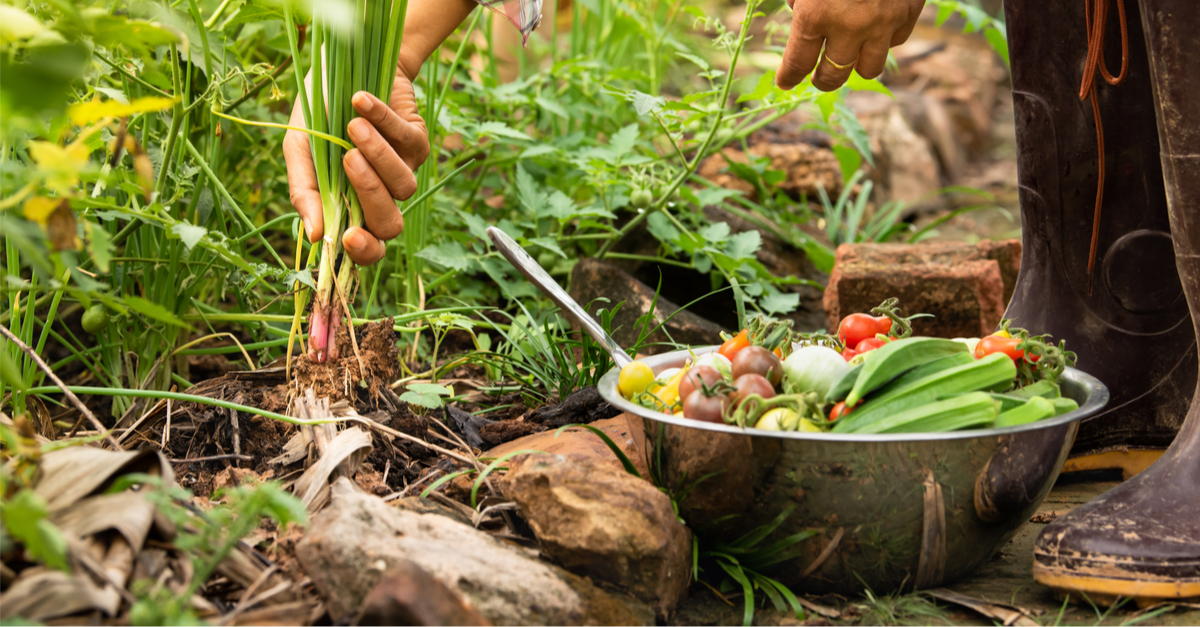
[831,38]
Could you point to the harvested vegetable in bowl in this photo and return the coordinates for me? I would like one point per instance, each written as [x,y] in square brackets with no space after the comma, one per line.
[891,382]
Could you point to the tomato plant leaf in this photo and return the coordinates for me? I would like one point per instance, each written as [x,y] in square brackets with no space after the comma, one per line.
[189,233]
[449,254]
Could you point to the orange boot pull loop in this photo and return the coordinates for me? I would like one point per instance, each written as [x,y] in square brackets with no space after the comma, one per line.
[1096,17]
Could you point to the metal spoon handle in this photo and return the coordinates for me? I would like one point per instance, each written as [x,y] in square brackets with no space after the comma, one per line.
[521,260]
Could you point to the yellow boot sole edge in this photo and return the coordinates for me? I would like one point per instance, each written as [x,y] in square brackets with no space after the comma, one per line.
[1143,591]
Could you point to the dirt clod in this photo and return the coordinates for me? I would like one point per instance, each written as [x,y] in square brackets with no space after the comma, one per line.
[341,379]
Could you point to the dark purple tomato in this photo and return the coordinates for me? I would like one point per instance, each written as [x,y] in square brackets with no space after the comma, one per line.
[760,361]
[751,384]
[697,406]
[691,380]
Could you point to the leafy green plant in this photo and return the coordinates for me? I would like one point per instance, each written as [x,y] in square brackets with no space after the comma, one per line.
[977,21]
[846,221]
[744,560]
[427,395]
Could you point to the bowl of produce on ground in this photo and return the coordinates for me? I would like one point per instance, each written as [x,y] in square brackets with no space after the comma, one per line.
[948,447]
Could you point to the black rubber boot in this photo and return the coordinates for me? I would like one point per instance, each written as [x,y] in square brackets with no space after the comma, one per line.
[1133,331]
[1142,538]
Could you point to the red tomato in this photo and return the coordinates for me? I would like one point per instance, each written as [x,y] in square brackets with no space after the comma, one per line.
[858,327]
[849,354]
[734,344]
[870,344]
[839,410]
[999,344]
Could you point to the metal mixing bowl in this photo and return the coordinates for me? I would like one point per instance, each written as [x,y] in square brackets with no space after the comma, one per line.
[890,511]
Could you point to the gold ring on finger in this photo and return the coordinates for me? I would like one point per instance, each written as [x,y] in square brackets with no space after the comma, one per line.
[837,65]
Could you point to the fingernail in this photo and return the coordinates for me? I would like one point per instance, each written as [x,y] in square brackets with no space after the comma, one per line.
[308,229]
[357,162]
[355,241]
[358,131]
[363,103]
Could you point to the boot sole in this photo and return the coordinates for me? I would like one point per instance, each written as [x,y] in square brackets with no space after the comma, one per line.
[1109,587]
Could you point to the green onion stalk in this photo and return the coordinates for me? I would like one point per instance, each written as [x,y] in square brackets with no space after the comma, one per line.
[360,57]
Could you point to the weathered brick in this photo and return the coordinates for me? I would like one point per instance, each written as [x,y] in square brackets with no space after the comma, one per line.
[964,297]
[1007,253]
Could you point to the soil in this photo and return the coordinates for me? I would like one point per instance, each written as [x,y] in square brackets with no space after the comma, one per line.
[341,379]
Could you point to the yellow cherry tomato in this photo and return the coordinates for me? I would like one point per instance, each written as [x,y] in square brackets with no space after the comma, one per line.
[635,377]
[778,419]
[808,425]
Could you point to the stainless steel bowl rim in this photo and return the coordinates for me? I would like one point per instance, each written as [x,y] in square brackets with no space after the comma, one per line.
[1097,398]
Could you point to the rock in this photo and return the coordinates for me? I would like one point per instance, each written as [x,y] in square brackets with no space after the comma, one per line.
[905,168]
[592,279]
[580,444]
[409,595]
[418,505]
[605,524]
[358,538]
[960,71]
[964,295]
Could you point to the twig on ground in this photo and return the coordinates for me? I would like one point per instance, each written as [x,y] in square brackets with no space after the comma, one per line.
[828,551]
[62,386]
[211,458]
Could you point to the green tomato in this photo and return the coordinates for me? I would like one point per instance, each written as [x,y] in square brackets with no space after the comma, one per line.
[95,319]
[641,198]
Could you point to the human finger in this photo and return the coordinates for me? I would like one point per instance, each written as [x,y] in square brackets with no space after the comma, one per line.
[363,247]
[801,53]
[382,217]
[392,171]
[302,177]
[902,34]
[407,139]
[844,52]
[872,58]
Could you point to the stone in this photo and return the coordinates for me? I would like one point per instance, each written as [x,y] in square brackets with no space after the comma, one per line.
[581,444]
[960,71]
[905,167]
[593,279]
[1006,253]
[964,298]
[605,524]
[409,595]
[355,541]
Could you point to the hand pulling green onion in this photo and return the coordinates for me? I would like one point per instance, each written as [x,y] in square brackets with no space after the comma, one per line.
[362,57]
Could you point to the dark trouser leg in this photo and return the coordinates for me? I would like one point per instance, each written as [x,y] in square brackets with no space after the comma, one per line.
[1133,331]
[1142,538]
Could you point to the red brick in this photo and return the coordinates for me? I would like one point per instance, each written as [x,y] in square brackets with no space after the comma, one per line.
[964,296]
[1007,253]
